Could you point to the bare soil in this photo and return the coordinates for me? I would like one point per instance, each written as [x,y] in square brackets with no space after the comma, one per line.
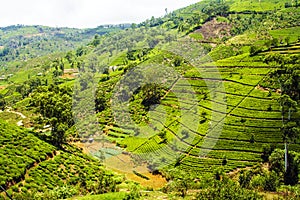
[215,30]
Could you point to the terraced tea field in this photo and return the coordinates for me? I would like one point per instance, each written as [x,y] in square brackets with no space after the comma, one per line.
[202,126]
[29,165]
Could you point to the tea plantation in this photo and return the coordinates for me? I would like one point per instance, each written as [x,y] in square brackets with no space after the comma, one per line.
[30,166]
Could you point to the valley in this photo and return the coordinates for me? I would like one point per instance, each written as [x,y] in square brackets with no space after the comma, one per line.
[202,103]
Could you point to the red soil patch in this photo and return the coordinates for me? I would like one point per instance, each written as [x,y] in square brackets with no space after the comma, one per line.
[2,87]
[214,29]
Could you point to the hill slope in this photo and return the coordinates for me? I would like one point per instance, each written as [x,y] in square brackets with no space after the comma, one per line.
[25,42]
[31,167]
[192,90]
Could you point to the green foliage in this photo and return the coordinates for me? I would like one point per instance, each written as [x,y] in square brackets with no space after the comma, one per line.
[271,181]
[134,193]
[215,8]
[19,154]
[63,192]
[179,181]
[197,36]
[55,106]
[140,175]
[250,123]
[227,189]
[258,6]
[143,98]
[222,52]
[290,176]
[267,151]
[254,50]
[42,40]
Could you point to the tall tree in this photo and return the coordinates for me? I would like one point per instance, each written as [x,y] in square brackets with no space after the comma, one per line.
[288,76]
[55,106]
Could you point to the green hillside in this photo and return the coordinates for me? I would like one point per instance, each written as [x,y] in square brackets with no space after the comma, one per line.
[203,98]
[22,42]
[34,169]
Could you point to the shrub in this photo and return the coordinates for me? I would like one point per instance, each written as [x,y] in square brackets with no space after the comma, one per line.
[224,161]
[245,178]
[267,151]
[65,192]
[140,175]
[258,182]
[134,193]
[271,181]
[243,120]
[252,140]
[227,190]
[177,61]
[270,108]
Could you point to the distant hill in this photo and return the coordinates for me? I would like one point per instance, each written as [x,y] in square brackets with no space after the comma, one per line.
[20,42]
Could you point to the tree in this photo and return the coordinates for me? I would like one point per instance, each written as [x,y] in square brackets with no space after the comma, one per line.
[287,106]
[288,77]
[216,8]
[254,50]
[2,102]
[152,94]
[287,40]
[290,176]
[274,42]
[180,181]
[62,66]
[152,42]
[268,44]
[226,189]
[55,106]
[100,100]
[96,40]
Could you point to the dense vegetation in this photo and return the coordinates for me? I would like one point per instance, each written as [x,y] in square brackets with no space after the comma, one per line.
[32,168]
[207,96]
[19,42]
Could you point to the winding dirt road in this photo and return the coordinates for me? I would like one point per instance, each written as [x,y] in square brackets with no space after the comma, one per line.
[19,123]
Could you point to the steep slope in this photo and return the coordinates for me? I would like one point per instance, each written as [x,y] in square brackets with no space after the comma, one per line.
[31,167]
[213,107]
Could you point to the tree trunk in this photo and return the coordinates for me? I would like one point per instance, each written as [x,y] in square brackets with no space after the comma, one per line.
[285,156]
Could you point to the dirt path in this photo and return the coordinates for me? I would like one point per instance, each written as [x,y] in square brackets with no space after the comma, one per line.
[18,113]
[19,123]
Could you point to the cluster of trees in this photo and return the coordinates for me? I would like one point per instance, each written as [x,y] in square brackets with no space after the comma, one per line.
[218,187]
[287,78]
[44,40]
[216,8]
[142,100]
[272,178]
[269,44]
[292,4]
[54,104]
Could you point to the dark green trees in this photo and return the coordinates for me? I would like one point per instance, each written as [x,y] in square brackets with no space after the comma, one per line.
[277,165]
[55,107]
[151,94]
[287,76]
